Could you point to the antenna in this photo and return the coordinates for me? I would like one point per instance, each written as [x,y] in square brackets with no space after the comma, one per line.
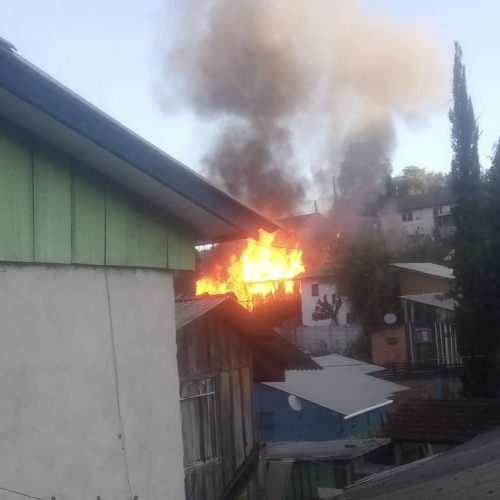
[390,318]
[295,403]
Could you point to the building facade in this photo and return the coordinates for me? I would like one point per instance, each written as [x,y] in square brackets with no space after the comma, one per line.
[93,222]
[420,215]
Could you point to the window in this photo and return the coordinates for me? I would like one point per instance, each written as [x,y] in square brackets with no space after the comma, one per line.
[391,341]
[199,429]
[407,216]
[423,335]
[315,290]
[436,211]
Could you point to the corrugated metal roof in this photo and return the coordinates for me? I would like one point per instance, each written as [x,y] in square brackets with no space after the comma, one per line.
[264,338]
[426,268]
[344,385]
[190,309]
[341,449]
[324,271]
[432,299]
[467,471]
[448,421]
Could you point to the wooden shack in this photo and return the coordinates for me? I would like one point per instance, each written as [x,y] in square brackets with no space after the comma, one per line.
[221,350]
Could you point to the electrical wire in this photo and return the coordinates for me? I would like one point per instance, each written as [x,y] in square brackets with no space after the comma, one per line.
[117,387]
[25,495]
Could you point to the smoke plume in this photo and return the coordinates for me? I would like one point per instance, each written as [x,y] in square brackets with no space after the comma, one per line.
[294,85]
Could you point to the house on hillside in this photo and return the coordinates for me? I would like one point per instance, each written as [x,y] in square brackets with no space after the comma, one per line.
[93,222]
[222,350]
[421,351]
[328,325]
[419,215]
[428,312]
[343,400]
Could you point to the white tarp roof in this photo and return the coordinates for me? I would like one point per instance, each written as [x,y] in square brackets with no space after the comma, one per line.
[344,385]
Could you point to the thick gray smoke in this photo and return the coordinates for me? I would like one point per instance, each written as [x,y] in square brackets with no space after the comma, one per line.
[281,75]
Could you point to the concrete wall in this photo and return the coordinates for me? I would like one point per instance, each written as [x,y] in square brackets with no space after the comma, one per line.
[89,385]
[319,340]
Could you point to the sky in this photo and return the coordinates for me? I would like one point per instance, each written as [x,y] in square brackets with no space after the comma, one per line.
[111,53]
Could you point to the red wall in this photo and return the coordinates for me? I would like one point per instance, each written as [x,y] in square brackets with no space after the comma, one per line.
[389,346]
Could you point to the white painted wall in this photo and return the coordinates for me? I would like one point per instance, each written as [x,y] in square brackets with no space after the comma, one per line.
[308,302]
[423,222]
[60,429]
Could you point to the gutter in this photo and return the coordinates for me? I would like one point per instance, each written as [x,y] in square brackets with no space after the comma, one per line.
[360,412]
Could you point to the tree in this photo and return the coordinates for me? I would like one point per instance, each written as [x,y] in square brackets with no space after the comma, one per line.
[476,334]
[365,277]
[492,242]
[417,180]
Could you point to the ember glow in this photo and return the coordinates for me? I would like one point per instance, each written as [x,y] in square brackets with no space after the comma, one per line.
[265,268]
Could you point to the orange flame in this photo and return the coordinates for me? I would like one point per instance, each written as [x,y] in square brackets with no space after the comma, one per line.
[264,268]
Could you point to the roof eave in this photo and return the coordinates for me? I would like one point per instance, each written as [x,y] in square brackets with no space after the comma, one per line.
[49,98]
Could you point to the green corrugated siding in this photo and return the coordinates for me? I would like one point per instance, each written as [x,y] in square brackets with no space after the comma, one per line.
[133,237]
[51,206]
[180,255]
[89,228]
[54,211]
[16,198]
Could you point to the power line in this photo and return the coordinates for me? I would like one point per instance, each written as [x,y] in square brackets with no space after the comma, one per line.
[25,495]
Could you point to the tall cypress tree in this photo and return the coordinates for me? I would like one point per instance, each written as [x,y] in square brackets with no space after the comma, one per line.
[473,314]
[492,243]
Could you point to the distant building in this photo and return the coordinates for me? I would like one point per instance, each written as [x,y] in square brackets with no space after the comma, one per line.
[421,352]
[426,214]
[343,400]
[328,324]
[428,311]
[389,345]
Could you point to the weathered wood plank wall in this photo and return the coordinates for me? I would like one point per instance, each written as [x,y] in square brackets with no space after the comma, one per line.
[54,210]
[208,347]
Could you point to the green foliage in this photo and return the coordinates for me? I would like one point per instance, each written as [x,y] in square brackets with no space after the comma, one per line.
[425,249]
[417,180]
[359,348]
[474,314]
[365,277]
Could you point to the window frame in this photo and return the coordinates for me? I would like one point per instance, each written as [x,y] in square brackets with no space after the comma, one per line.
[199,408]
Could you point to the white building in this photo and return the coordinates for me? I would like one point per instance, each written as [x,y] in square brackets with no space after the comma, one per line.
[93,221]
[427,214]
[327,322]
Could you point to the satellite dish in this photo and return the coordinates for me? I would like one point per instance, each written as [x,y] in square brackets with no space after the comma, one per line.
[390,318]
[294,402]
